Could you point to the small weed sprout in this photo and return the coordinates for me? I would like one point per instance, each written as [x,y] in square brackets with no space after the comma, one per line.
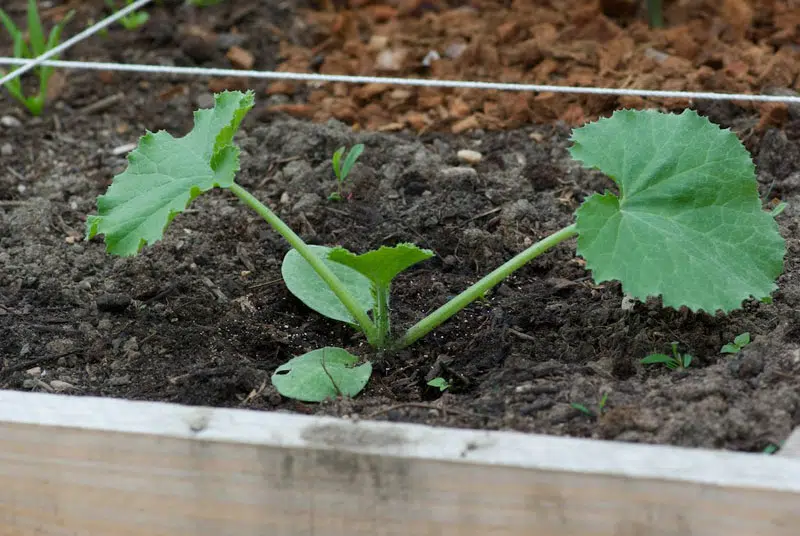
[131,21]
[342,169]
[687,200]
[739,342]
[601,406]
[655,13]
[673,362]
[439,383]
[36,45]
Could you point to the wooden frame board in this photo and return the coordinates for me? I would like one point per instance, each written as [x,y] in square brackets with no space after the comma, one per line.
[105,467]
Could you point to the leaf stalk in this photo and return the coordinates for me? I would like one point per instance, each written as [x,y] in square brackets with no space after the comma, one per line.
[335,284]
[440,315]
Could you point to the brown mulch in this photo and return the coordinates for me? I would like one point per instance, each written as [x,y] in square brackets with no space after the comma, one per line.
[730,46]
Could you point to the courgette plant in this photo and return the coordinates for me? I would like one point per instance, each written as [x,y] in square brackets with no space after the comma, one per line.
[686,224]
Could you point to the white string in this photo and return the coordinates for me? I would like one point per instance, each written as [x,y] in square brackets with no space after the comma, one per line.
[310,77]
[41,60]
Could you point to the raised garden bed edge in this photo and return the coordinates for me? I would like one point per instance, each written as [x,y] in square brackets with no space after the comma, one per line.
[109,467]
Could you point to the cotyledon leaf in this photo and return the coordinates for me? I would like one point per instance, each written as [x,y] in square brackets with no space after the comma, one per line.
[311,289]
[320,374]
[688,224]
[165,174]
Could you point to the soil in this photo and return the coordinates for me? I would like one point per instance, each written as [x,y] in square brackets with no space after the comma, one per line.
[203,317]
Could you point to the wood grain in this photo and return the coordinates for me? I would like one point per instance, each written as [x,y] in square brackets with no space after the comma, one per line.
[102,467]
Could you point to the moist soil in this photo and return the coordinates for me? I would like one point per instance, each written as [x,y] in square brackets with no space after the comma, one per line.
[202,317]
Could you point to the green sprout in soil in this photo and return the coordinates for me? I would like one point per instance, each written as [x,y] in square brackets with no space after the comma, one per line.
[439,383]
[685,224]
[739,342]
[601,406]
[673,362]
[342,169]
[654,13]
[34,46]
[132,20]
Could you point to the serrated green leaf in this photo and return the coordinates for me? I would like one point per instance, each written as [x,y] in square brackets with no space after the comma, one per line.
[165,174]
[311,289]
[383,264]
[688,223]
[320,374]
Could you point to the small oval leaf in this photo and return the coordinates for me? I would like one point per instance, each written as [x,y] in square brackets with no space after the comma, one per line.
[324,373]
[311,289]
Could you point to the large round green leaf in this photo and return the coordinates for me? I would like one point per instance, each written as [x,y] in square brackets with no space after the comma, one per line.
[311,289]
[325,373]
[688,224]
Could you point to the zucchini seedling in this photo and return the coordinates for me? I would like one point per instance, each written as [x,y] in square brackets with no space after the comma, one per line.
[341,169]
[673,362]
[35,46]
[685,224]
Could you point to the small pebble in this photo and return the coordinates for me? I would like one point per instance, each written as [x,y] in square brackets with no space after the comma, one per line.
[118,381]
[7,149]
[59,386]
[10,122]
[204,100]
[470,157]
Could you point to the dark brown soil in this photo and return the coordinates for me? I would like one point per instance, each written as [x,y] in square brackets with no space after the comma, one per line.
[204,318]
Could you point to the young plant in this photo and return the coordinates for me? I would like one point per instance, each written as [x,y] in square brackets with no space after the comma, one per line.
[342,169]
[673,362]
[686,223]
[132,20]
[601,406]
[33,47]
[654,13]
[739,342]
[439,383]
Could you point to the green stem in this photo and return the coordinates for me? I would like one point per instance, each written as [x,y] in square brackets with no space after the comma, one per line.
[436,318]
[382,313]
[335,284]
[654,13]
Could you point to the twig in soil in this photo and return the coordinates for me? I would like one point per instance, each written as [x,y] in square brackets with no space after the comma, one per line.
[171,287]
[422,405]
[523,336]
[102,104]
[265,283]
[16,173]
[215,372]
[30,363]
[484,214]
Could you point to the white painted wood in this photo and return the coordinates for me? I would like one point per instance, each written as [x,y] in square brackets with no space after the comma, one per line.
[791,447]
[103,467]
